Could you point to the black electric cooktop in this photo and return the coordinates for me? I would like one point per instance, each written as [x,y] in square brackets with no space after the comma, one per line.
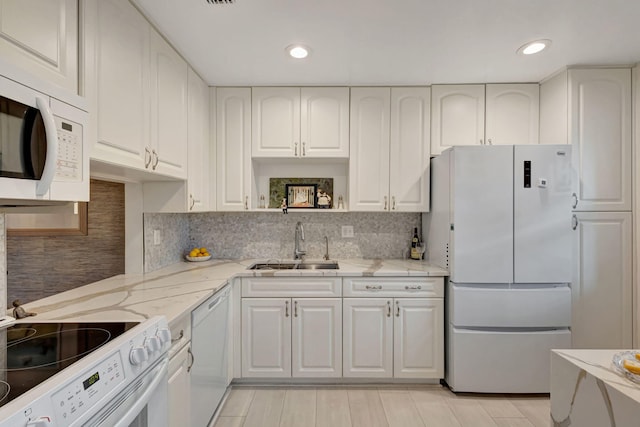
[37,351]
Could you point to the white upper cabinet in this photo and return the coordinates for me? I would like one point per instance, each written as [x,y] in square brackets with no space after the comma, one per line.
[409,153]
[233,148]
[600,134]
[389,149]
[466,115]
[198,141]
[369,149]
[117,82]
[168,109]
[41,37]
[300,122]
[457,116]
[512,112]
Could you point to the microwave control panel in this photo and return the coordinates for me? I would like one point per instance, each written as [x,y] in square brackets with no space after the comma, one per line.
[69,164]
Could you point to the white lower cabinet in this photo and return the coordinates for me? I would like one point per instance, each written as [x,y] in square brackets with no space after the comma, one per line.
[291,337]
[179,386]
[393,337]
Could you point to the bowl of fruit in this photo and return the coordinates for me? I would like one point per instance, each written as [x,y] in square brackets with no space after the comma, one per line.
[198,255]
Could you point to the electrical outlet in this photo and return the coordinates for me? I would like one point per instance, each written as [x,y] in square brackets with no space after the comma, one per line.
[157,238]
[347,231]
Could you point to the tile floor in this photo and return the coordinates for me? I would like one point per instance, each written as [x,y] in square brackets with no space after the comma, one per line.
[427,406]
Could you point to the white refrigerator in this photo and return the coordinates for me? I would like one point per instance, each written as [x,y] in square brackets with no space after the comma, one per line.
[500,222]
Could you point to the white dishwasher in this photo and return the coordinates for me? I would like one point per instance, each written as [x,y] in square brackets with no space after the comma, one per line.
[209,345]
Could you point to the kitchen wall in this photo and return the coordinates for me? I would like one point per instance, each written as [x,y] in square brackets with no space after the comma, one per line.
[234,235]
[42,266]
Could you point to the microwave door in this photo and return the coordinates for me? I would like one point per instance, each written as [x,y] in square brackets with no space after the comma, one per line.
[49,171]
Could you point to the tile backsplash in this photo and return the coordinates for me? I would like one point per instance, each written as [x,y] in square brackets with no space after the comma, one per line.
[234,235]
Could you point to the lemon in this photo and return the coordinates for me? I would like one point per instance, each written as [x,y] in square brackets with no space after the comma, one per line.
[203,250]
[631,366]
[206,254]
[194,253]
[638,356]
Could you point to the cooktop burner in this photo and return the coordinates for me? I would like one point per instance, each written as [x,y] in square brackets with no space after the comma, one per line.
[36,351]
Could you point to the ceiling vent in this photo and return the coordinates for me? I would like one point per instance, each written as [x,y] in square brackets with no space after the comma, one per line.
[220,1]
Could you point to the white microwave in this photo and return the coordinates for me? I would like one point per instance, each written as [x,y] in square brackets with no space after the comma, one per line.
[43,154]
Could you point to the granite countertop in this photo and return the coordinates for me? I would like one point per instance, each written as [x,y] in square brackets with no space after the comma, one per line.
[181,287]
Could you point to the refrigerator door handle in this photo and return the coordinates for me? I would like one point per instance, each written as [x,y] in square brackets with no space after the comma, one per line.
[575,200]
[574,222]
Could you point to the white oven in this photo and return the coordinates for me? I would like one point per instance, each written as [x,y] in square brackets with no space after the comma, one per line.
[71,374]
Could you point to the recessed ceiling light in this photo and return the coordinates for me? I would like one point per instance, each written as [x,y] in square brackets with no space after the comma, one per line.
[297,51]
[534,47]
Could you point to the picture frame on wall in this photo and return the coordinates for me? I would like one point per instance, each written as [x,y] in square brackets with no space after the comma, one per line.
[301,196]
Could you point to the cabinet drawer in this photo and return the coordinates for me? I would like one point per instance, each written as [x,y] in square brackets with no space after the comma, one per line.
[180,333]
[426,287]
[292,287]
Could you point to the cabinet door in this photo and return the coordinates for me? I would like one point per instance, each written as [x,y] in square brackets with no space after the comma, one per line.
[316,338]
[418,338]
[41,37]
[233,148]
[324,126]
[198,144]
[410,149]
[367,337]
[600,134]
[168,109]
[457,116]
[369,149]
[179,388]
[117,81]
[266,337]
[512,114]
[275,122]
[601,290]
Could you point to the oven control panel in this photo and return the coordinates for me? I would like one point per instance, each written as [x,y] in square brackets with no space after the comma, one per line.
[77,397]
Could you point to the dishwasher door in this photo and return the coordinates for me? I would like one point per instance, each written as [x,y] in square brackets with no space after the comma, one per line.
[209,345]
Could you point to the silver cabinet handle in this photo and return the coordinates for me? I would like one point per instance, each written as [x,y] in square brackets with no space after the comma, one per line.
[147,161]
[193,201]
[373,287]
[286,309]
[193,359]
[304,149]
[179,337]
[393,203]
[295,149]
[385,203]
[246,203]
[575,200]
[489,141]
[397,309]
[412,287]
[388,308]
[295,309]
[481,142]
[157,159]
[574,222]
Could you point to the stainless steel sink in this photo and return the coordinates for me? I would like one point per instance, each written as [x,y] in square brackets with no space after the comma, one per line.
[288,265]
[318,266]
[273,266]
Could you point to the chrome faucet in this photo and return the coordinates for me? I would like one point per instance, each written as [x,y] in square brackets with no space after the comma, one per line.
[297,252]
[326,252]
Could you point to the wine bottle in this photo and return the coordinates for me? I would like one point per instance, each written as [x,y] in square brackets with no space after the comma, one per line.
[415,253]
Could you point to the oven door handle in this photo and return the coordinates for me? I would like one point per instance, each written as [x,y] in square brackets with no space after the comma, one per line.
[50,163]
[144,399]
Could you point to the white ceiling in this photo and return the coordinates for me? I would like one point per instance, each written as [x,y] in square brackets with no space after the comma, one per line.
[398,42]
